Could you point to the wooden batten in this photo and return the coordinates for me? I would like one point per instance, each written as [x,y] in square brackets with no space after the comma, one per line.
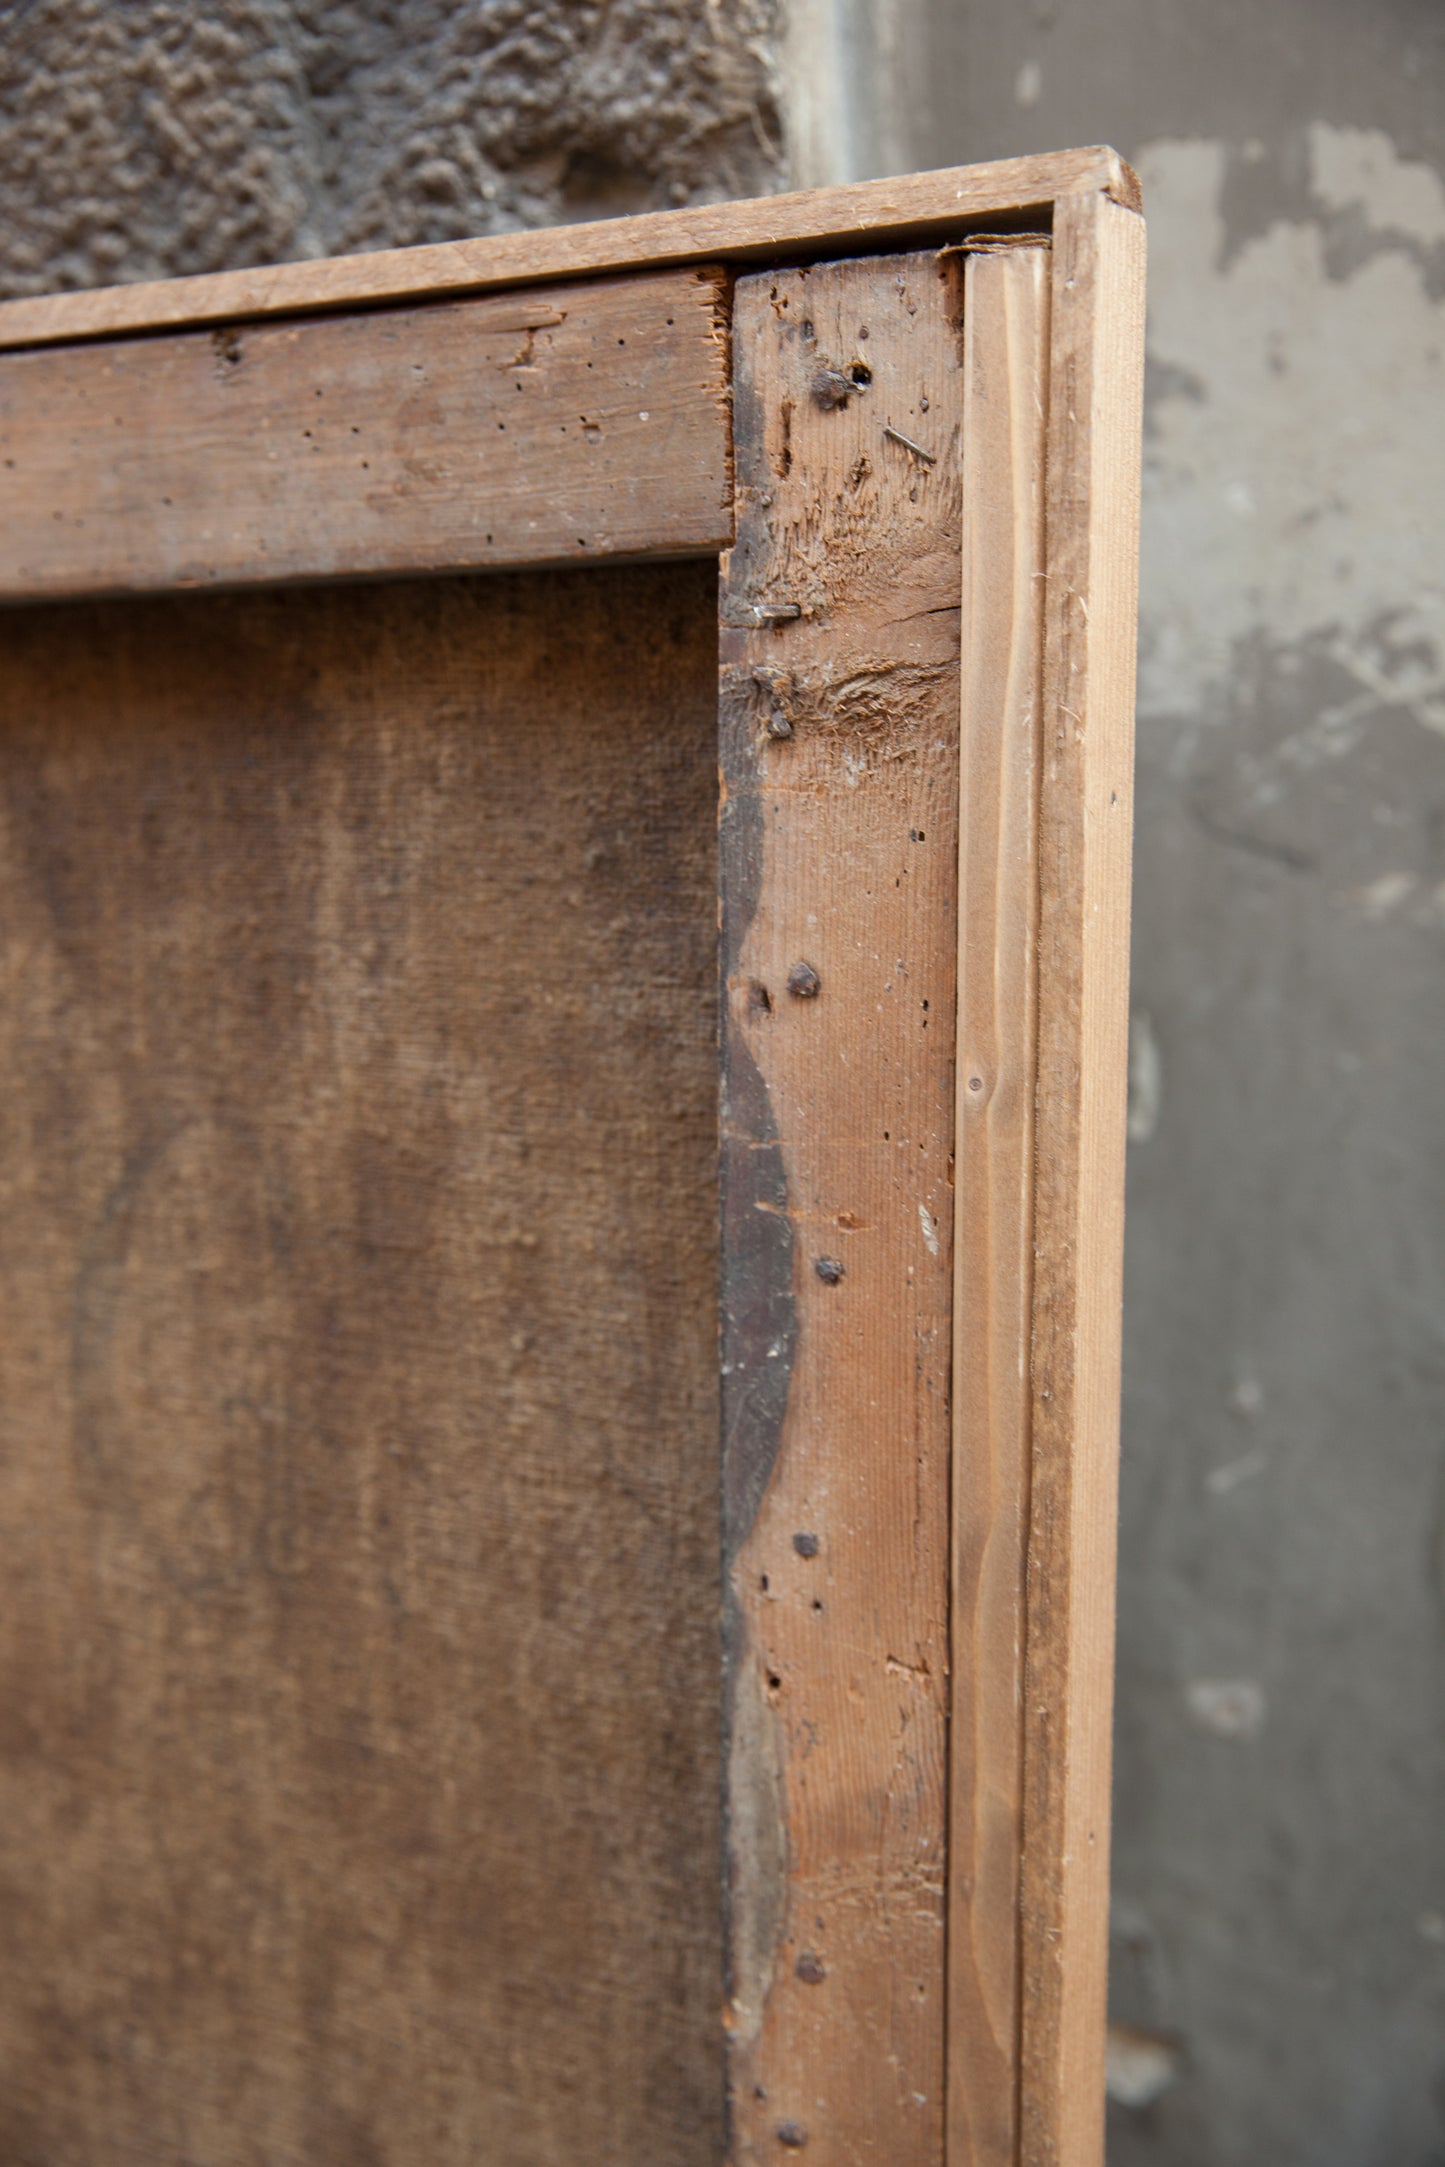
[1085,823]
[560,424]
[1006,321]
[840,662]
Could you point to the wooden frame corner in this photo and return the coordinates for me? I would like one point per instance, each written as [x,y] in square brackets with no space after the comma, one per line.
[906,418]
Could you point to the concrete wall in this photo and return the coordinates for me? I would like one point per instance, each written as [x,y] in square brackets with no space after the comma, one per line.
[1280,1809]
[1280,1840]
[144,140]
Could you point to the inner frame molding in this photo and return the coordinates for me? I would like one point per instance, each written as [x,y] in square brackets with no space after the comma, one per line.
[952,1567]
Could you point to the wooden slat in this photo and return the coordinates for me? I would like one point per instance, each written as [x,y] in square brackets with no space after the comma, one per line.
[840,687]
[359,1686]
[1005,402]
[563,422]
[1096,370]
[915,208]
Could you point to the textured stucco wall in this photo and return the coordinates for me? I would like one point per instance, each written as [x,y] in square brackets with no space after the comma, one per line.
[145,140]
[1279,1912]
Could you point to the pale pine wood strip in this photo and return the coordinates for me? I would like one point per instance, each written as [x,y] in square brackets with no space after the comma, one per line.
[912,208]
[1005,395]
[1095,401]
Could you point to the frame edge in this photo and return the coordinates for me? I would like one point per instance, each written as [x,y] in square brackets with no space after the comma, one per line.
[1092,516]
[903,213]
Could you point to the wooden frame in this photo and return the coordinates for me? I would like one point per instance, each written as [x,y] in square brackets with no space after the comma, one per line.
[875,403]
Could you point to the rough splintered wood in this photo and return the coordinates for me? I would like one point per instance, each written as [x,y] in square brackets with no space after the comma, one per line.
[1096,377]
[538,427]
[1005,401]
[840,689]
[912,208]
[358,1417]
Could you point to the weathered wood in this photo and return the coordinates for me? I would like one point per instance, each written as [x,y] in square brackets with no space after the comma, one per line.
[1095,370]
[913,208]
[562,422]
[840,688]
[356,1736]
[359,1693]
[1004,407]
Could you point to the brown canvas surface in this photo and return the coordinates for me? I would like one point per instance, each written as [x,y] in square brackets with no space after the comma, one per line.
[359,1692]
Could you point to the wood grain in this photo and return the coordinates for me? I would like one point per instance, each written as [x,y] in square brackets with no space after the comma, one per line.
[359,1693]
[914,208]
[1004,407]
[840,689]
[1096,373]
[563,422]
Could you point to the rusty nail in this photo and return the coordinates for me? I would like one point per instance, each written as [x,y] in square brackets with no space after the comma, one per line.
[829,1270]
[803,981]
[806,1545]
[929,458]
[777,685]
[810,1969]
[832,388]
[793,2135]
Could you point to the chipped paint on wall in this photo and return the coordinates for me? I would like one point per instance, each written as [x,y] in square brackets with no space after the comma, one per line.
[1294,473]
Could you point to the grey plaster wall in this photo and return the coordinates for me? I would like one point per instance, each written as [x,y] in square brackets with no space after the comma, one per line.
[1279,1913]
[150,139]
